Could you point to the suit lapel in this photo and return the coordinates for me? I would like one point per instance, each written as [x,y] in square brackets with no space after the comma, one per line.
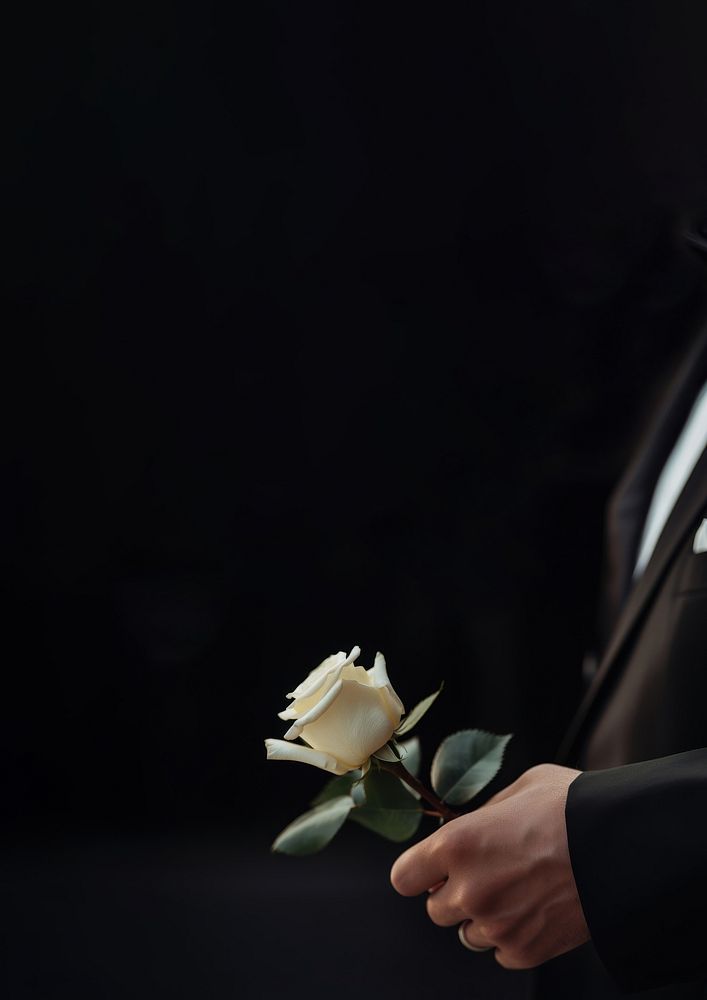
[628,506]
[690,505]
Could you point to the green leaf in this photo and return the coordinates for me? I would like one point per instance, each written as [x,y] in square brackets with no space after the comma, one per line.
[465,763]
[412,718]
[358,794]
[337,786]
[389,809]
[411,755]
[388,752]
[313,830]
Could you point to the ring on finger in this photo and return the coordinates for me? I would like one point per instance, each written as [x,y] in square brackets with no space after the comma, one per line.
[462,938]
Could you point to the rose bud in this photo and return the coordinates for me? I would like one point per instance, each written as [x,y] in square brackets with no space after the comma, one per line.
[343,712]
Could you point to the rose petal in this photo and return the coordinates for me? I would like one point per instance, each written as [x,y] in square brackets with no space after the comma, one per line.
[393,704]
[357,722]
[379,676]
[301,705]
[353,672]
[315,680]
[314,713]
[282,750]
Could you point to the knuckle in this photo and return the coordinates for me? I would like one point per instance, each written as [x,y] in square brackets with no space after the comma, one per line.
[438,846]
[447,907]
[459,906]
[433,911]
[466,898]
[459,834]
[439,915]
[481,901]
[450,846]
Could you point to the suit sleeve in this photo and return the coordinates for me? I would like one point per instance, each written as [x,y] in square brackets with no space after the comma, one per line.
[637,838]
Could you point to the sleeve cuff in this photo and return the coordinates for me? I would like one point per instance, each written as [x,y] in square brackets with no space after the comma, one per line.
[637,838]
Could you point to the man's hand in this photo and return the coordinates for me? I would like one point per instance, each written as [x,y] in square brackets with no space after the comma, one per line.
[506,870]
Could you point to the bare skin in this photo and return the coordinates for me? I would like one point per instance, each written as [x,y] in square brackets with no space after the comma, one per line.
[503,873]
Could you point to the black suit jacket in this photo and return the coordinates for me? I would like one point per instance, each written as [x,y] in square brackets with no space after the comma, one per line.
[637,816]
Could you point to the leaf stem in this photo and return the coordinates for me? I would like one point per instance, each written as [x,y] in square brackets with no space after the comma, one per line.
[400,771]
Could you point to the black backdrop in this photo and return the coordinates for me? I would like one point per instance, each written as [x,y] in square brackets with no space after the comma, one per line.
[325,325]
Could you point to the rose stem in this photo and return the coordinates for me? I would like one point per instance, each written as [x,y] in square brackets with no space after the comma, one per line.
[400,771]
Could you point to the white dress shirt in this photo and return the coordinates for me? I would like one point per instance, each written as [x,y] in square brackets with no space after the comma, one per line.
[676,472]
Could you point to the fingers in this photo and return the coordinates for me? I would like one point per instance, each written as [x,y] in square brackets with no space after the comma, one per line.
[420,868]
[516,945]
[445,906]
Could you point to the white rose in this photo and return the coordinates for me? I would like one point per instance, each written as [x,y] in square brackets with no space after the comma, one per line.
[343,712]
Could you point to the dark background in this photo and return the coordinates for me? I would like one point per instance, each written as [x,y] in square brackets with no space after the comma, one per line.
[324,324]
